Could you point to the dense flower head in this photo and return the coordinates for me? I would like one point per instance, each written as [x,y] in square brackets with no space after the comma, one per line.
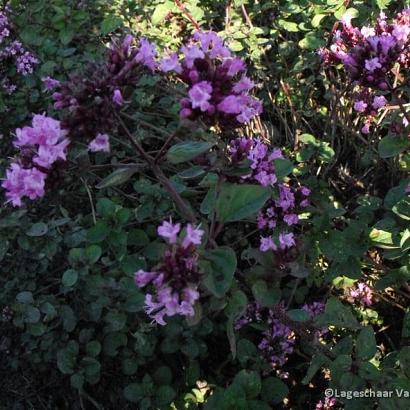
[262,167]
[360,293]
[277,341]
[372,58]
[41,146]
[91,97]
[368,54]
[326,404]
[278,216]
[175,280]
[218,86]
[23,182]
[12,52]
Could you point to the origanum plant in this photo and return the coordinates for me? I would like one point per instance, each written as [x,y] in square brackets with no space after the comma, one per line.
[166,247]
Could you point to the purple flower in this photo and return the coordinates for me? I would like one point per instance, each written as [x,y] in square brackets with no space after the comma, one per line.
[286,240]
[169,231]
[50,83]
[193,236]
[360,106]
[379,102]
[372,64]
[200,94]
[142,278]
[117,97]
[171,64]
[100,143]
[146,54]
[244,84]
[291,219]
[191,53]
[267,244]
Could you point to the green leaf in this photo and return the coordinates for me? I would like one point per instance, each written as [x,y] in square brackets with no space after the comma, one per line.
[273,390]
[77,381]
[283,167]
[66,35]
[391,146]
[129,366]
[67,358]
[299,315]
[311,42]
[134,392]
[31,314]
[265,296]
[236,202]
[164,395]
[98,232]
[38,229]
[93,348]
[288,25]
[161,11]
[118,177]
[236,305]
[93,253]
[70,277]
[185,151]
[406,325]
[25,297]
[249,381]
[110,23]
[222,266]
[366,346]
[337,314]
[113,341]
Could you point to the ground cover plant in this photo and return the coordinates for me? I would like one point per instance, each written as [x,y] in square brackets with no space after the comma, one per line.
[205,205]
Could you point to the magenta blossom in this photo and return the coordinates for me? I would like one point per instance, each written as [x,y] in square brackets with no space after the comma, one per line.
[100,143]
[169,231]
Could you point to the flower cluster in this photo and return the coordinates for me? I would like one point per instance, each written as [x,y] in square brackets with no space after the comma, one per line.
[281,213]
[218,85]
[326,404]
[91,96]
[360,293]
[13,51]
[278,339]
[315,309]
[40,146]
[262,168]
[176,278]
[369,55]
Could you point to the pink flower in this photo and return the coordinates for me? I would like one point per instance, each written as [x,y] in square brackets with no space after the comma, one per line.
[22,182]
[117,97]
[100,143]
[200,94]
[360,106]
[142,278]
[193,236]
[366,128]
[169,231]
[367,31]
